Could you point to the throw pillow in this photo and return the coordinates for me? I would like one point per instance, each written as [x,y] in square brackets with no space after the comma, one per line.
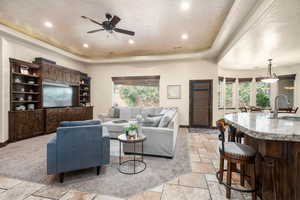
[158,115]
[151,121]
[168,116]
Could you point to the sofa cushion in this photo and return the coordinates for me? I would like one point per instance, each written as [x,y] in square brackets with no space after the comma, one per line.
[145,111]
[152,121]
[135,111]
[155,115]
[125,113]
[79,123]
[166,119]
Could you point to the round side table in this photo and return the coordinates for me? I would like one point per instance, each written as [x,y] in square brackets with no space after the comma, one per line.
[124,139]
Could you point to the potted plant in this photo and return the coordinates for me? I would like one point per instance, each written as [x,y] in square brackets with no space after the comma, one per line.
[131,130]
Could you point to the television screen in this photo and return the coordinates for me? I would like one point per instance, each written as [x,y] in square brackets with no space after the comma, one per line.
[56,95]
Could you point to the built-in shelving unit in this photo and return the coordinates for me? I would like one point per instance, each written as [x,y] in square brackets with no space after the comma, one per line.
[25,85]
[27,116]
[85,90]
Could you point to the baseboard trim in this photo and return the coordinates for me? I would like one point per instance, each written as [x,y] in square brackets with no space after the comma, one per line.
[184,126]
[3,144]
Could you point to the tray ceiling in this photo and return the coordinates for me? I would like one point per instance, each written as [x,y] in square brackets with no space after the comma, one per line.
[159,25]
[275,35]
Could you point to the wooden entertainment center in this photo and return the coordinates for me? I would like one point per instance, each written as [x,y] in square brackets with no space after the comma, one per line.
[27,116]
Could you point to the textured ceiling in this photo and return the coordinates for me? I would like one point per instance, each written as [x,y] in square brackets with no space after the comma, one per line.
[158,24]
[275,35]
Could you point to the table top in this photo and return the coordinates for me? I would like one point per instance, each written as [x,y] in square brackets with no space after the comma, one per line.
[262,126]
[124,138]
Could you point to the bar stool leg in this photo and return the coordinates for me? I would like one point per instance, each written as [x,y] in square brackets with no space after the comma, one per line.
[221,169]
[229,170]
[253,181]
[242,176]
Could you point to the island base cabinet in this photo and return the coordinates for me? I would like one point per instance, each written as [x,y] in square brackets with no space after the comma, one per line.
[25,124]
[278,168]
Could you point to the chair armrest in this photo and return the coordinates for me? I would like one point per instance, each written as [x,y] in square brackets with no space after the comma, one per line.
[51,156]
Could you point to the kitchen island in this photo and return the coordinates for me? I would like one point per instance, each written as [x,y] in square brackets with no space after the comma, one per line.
[277,142]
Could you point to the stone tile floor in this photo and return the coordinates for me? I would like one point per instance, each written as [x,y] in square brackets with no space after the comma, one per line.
[200,184]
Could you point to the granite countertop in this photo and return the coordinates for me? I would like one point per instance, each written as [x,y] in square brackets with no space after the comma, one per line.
[261,126]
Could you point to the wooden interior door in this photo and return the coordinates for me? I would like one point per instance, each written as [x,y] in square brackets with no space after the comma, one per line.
[200,103]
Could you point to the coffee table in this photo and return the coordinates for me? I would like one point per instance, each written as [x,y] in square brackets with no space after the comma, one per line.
[139,139]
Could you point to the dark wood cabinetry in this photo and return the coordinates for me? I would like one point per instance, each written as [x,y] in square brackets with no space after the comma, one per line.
[85,90]
[54,116]
[277,168]
[25,124]
[58,74]
[26,90]
[25,85]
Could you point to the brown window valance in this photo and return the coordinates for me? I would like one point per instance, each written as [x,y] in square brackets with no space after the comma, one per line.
[245,80]
[287,77]
[230,80]
[137,80]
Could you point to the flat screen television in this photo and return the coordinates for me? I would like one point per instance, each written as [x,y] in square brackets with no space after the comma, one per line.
[57,95]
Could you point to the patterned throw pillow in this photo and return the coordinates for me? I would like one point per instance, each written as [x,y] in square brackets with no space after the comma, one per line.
[166,119]
[151,121]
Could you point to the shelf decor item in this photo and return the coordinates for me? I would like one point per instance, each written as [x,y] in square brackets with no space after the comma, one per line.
[18,80]
[174,91]
[24,69]
[30,106]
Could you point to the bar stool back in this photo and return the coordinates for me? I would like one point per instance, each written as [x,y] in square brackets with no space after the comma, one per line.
[235,153]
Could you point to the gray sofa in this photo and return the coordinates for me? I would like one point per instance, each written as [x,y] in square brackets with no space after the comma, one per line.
[78,145]
[161,141]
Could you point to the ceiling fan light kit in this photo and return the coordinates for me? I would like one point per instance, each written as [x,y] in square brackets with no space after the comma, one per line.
[109,25]
[271,78]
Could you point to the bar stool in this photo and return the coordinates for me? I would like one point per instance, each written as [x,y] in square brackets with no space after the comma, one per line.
[235,153]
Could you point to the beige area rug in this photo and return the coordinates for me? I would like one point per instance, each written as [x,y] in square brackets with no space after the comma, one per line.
[26,160]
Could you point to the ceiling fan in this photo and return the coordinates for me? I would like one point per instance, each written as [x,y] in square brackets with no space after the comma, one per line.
[109,25]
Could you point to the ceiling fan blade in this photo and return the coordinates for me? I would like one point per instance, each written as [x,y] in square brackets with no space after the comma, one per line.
[84,17]
[94,31]
[115,20]
[124,31]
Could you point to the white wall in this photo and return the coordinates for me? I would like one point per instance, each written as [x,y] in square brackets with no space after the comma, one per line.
[171,73]
[14,48]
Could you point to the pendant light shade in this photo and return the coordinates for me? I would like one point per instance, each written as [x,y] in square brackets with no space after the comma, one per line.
[271,78]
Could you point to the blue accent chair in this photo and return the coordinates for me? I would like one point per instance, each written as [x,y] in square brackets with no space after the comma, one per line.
[78,145]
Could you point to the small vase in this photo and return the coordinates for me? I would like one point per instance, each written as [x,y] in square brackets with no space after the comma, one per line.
[132,133]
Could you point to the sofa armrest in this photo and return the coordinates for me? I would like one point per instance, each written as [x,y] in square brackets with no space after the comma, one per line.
[157,130]
[51,156]
[105,132]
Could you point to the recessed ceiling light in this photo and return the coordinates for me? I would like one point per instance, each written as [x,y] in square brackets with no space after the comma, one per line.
[184,36]
[130,41]
[85,45]
[185,5]
[48,24]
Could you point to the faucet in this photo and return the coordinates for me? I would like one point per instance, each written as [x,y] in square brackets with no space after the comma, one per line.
[276,104]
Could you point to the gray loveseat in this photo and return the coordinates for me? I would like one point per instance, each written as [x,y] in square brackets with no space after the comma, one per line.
[160,140]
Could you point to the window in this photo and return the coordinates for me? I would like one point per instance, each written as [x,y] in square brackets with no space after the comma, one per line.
[262,94]
[220,92]
[136,91]
[229,92]
[286,87]
[244,92]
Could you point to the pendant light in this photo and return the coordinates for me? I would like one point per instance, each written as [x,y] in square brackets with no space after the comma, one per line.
[271,78]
